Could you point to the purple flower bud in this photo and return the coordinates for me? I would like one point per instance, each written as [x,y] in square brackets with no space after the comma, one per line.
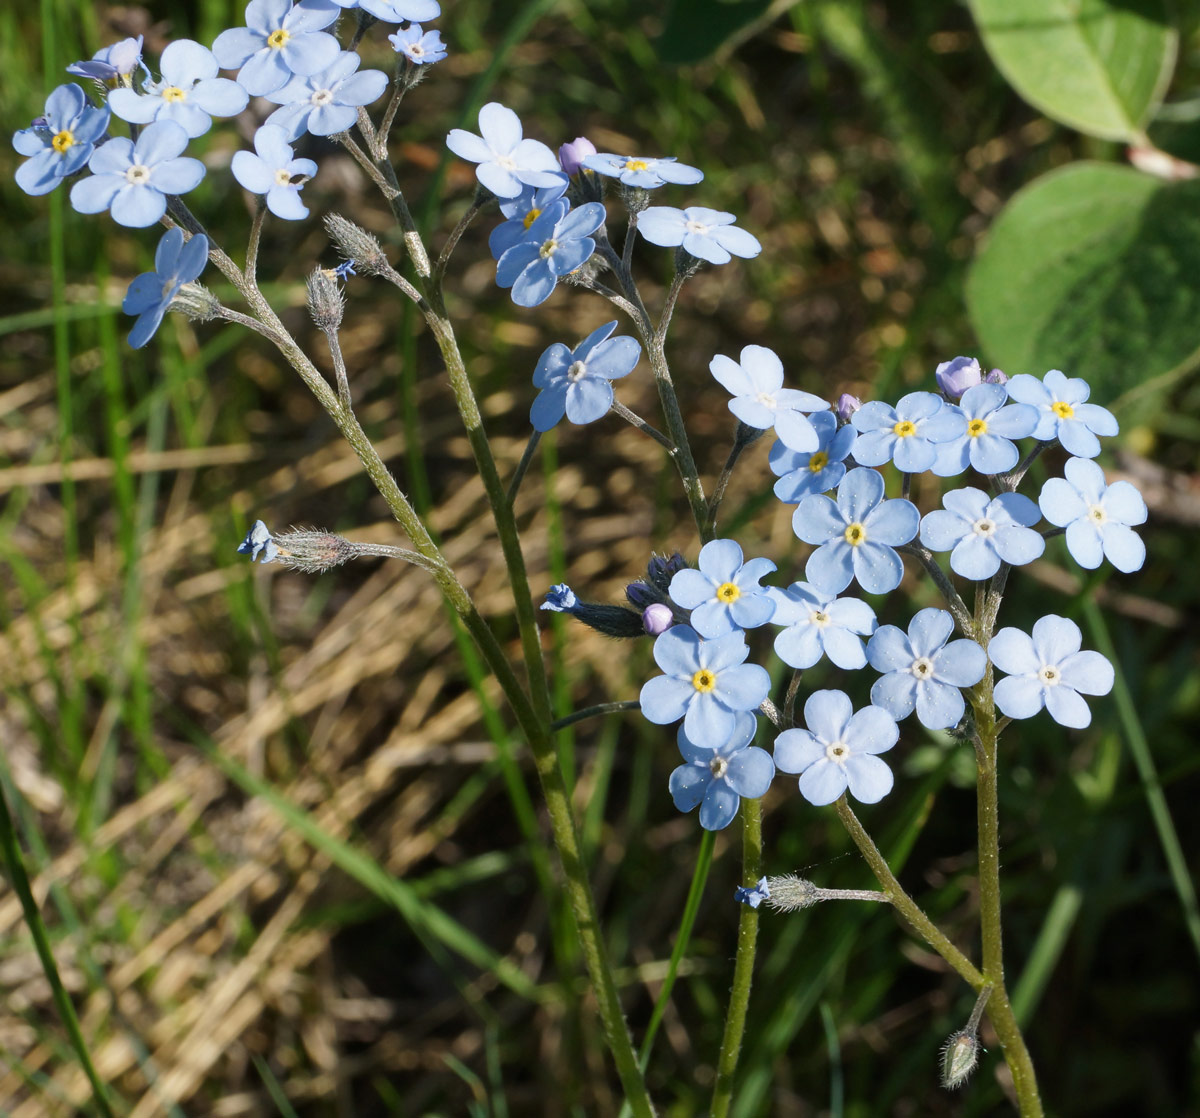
[661,569]
[847,405]
[640,595]
[996,376]
[955,377]
[657,618]
[572,155]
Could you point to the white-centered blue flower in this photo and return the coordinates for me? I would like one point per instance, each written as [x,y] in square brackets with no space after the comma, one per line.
[818,471]
[506,161]
[1048,670]
[420,47]
[521,212]
[818,622]
[259,541]
[718,779]
[907,434]
[981,531]
[923,672]
[1063,411]
[151,293]
[706,684]
[760,400]
[706,234]
[839,750]
[856,534]
[1097,516]
[60,142]
[190,93]
[111,62]
[643,171]
[327,101]
[722,591]
[273,170]
[555,247]
[991,425]
[135,179]
[279,40]
[396,11]
[577,382]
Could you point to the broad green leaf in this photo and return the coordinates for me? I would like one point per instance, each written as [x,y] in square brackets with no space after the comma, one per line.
[696,28]
[1100,66]
[1095,270]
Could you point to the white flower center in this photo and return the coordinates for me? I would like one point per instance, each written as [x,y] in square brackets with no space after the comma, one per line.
[719,767]
[1097,514]
[321,97]
[138,175]
[283,177]
[922,667]
[507,162]
[416,50]
[819,618]
[697,227]
[1049,675]
[548,249]
[767,401]
[984,527]
[838,752]
[577,371]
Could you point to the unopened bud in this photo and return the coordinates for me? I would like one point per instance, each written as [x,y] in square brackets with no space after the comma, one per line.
[612,621]
[197,302]
[661,569]
[634,198]
[358,245]
[657,618]
[960,1057]
[956,376]
[326,303]
[996,376]
[640,595]
[847,405]
[572,155]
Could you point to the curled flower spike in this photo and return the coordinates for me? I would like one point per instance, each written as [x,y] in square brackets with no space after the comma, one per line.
[642,171]
[718,779]
[1098,517]
[705,234]
[1063,412]
[761,401]
[612,621]
[722,591]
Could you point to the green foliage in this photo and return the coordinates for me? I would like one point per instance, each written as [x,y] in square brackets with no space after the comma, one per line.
[697,28]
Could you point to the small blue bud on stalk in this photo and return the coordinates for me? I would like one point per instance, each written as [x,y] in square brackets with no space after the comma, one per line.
[657,618]
[847,405]
[572,155]
[996,376]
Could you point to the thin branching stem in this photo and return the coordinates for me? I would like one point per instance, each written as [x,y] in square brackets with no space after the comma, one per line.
[635,420]
[443,260]
[256,228]
[522,467]
[594,712]
[962,615]
[389,114]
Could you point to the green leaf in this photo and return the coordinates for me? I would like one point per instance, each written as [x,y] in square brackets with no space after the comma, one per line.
[1100,66]
[1094,270]
[696,28]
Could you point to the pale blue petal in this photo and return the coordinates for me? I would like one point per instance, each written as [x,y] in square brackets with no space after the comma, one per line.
[1019,696]
[1087,671]
[707,722]
[1123,548]
[939,705]
[688,784]
[719,807]
[665,699]
[826,714]
[823,782]
[868,779]
[1012,652]
[750,772]
[975,557]
[831,565]
[795,750]
[817,519]
[878,569]
[1067,707]
[896,693]
[1124,503]
[843,649]
[588,400]
[800,646]
[961,663]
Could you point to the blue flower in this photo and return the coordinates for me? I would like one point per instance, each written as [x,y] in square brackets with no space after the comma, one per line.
[190,92]
[991,425]
[956,376]
[135,179]
[723,594]
[272,170]
[1097,516]
[706,684]
[922,671]
[328,101]
[61,142]
[1048,670]
[577,382]
[421,48]
[908,433]
[556,246]
[345,270]
[522,211]
[259,539]
[279,40]
[818,472]
[706,234]
[396,11]
[839,750]
[983,531]
[151,293]
[560,599]
[817,621]
[717,779]
[753,895]
[112,62]
[856,535]
[506,161]
[760,400]
[1062,411]
[642,171]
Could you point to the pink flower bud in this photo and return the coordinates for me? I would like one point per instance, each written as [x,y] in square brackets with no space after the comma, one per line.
[572,155]
[657,618]
[955,377]
[847,405]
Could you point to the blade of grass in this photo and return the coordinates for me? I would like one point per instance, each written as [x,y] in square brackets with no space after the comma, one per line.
[1047,948]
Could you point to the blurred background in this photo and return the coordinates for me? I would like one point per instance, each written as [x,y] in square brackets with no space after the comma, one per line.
[265,811]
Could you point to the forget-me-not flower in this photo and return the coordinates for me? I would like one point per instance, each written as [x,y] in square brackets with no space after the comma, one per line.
[577,382]
[981,531]
[753,895]
[328,101]
[907,434]
[816,621]
[1063,411]
[991,425]
[420,47]
[556,246]
[760,400]
[259,539]
[271,168]
[722,591]
[1048,670]
[396,11]
[642,171]
[839,750]
[61,142]
[856,534]
[955,376]
[506,161]
[1097,516]
[135,179]
[112,62]
[521,212]
[706,234]
[279,40]
[821,470]
[190,93]
[717,779]
[923,672]
[706,684]
[151,293]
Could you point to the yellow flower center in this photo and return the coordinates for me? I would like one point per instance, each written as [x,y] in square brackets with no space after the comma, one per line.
[636,164]
[532,216]
[62,141]
[173,93]
[855,534]
[728,592]
[1062,409]
[704,680]
[819,618]
[977,427]
[277,40]
[818,461]
[904,429]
